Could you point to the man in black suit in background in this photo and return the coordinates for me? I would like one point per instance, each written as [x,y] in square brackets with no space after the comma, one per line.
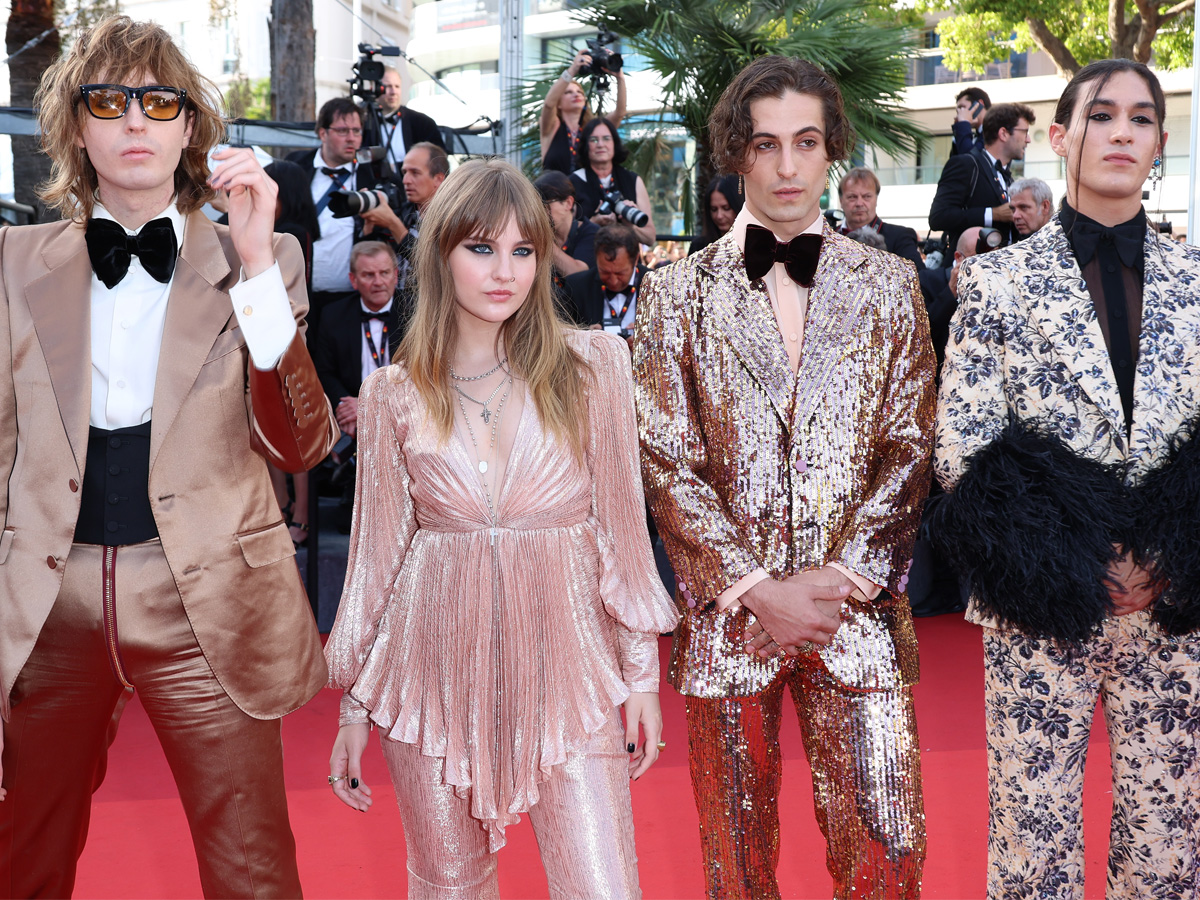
[973,189]
[362,330]
[858,192]
[360,333]
[403,128]
[606,296]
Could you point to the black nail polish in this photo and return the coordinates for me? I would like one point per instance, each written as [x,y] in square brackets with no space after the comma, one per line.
[631,747]
[353,784]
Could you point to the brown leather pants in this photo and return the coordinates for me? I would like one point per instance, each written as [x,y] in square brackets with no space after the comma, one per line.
[119,618]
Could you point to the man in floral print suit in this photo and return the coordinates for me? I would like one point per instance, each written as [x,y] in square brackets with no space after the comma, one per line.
[1066,426]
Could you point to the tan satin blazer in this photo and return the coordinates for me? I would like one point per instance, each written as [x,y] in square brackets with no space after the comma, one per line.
[216,422]
[747,465]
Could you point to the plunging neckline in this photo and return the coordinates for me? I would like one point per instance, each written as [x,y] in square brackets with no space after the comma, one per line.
[473,468]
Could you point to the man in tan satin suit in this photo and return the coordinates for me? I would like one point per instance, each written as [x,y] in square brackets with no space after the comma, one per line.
[151,364]
[785,404]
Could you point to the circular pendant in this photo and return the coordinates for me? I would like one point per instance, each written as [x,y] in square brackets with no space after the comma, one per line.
[483,467]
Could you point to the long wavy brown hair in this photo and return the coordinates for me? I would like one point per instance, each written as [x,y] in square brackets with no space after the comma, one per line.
[111,52]
[476,201]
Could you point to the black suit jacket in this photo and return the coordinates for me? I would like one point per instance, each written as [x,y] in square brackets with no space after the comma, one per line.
[969,185]
[416,127]
[902,241]
[338,353]
[585,296]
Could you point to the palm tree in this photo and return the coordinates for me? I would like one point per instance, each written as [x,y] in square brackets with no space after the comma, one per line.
[696,48]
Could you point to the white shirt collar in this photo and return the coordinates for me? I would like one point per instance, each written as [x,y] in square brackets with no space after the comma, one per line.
[387,307]
[171,213]
[319,163]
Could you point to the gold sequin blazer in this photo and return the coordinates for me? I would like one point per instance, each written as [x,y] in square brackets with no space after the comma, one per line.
[747,465]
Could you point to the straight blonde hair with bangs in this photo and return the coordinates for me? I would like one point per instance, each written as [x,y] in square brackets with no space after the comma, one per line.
[111,51]
[476,201]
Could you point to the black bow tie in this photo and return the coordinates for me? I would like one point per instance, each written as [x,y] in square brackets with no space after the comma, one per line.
[381,316]
[110,249]
[393,119]
[1005,171]
[613,295]
[799,256]
[1128,239]
[339,175]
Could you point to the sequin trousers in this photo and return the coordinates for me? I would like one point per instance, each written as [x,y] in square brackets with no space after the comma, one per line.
[583,821]
[862,746]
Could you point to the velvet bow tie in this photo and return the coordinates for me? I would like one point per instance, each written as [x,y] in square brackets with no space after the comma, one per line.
[1128,239]
[799,256]
[111,249]
[381,316]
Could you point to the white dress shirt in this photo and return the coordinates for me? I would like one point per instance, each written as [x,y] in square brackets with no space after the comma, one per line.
[393,139]
[331,254]
[368,363]
[127,328]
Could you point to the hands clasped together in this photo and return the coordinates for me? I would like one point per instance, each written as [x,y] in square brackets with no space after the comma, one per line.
[791,614]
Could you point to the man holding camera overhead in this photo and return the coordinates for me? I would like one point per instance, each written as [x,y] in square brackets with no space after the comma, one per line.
[334,167]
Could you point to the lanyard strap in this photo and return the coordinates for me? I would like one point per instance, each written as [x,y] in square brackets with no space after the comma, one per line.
[375,358]
[338,180]
[612,312]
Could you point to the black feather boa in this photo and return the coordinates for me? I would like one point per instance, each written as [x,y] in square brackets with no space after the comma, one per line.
[1168,532]
[1031,526]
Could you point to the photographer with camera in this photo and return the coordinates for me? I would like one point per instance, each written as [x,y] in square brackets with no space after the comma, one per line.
[565,110]
[343,215]
[605,297]
[606,192]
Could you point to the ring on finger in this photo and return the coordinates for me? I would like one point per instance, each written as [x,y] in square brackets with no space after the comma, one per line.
[334,779]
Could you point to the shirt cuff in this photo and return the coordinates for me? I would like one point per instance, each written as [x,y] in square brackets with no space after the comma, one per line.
[265,316]
[987,217]
[729,597]
[864,588]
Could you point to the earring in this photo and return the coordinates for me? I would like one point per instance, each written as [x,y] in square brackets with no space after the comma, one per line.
[741,185]
[1156,172]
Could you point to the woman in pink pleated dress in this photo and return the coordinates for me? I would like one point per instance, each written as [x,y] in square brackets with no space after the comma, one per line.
[501,601]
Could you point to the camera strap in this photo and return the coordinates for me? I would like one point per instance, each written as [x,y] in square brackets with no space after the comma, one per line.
[338,180]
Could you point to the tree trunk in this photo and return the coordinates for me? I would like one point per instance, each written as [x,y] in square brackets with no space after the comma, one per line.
[1063,59]
[293,61]
[28,19]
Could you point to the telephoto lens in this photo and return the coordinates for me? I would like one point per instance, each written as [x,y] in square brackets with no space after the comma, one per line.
[352,203]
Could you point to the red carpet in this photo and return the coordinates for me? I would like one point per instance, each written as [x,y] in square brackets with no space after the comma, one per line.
[139,844]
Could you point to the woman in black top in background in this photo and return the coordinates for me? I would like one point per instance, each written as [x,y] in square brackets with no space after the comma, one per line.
[600,152]
[722,202]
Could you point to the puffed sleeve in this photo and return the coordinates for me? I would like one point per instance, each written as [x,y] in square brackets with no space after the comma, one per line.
[383,526]
[630,586]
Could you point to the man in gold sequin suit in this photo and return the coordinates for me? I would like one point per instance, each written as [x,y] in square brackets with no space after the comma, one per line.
[785,404]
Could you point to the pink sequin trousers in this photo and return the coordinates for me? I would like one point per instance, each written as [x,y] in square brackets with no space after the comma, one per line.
[862,746]
[583,821]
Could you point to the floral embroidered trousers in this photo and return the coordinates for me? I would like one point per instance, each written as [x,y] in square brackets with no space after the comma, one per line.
[1040,702]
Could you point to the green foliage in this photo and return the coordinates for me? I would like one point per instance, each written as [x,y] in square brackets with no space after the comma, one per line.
[246,99]
[696,48]
[982,31]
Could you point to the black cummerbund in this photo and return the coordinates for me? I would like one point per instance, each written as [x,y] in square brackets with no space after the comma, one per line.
[116,488]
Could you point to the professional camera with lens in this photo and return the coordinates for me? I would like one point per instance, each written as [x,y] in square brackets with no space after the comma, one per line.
[615,203]
[354,203]
[604,61]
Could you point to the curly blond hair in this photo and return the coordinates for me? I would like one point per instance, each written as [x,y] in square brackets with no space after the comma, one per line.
[112,51]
